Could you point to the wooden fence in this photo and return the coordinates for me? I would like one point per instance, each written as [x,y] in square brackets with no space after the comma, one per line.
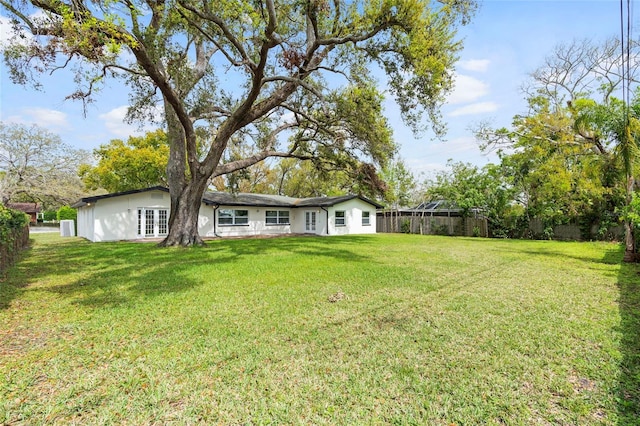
[416,223]
[432,225]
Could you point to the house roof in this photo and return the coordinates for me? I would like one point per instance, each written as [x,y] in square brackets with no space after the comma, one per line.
[332,201]
[25,207]
[86,200]
[264,200]
[242,199]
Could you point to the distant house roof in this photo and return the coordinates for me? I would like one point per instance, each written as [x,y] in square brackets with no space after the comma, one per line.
[29,208]
[242,199]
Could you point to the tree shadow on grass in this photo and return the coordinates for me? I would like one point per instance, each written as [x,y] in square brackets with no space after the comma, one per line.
[306,245]
[110,274]
[629,386]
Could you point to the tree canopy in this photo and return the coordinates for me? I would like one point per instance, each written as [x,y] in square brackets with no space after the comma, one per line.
[574,154]
[140,162]
[36,166]
[285,78]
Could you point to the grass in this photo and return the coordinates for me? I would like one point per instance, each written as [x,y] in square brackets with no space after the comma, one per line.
[430,330]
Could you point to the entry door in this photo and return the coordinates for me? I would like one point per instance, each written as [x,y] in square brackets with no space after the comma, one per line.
[310,221]
[152,222]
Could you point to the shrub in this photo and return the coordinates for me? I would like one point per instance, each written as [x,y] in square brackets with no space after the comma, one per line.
[14,234]
[50,215]
[405,226]
[67,213]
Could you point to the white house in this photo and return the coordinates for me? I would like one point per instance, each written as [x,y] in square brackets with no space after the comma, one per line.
[144,213]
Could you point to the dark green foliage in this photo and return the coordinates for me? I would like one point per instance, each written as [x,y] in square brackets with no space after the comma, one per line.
[11,220]
[50,215]
[67,213]
[14,234]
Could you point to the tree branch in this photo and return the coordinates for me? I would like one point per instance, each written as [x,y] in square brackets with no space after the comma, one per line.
[233,166]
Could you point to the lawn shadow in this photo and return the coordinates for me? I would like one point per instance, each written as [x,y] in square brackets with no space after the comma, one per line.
[117,273]
[8,290]
[544,252]
[311,245]
[629,305]
[97,275]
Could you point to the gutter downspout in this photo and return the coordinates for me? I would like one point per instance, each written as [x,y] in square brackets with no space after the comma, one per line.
[327,218]
[215,231]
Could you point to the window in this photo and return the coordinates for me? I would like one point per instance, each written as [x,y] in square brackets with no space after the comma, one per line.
[340,218]
[277,217]
[233,217]
[366,220]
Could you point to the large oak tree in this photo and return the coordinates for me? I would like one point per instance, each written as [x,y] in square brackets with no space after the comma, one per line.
[290,78]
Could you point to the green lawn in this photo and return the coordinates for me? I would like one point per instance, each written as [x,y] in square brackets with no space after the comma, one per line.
[424,330]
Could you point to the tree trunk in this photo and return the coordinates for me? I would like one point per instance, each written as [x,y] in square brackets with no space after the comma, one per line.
[183,221]
[629,243]
[630,254]
[185,191]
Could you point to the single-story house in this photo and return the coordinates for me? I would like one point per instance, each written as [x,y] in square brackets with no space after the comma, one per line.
[31,209]
[144,213]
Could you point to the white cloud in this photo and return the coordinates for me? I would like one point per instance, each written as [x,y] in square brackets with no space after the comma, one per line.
[7,32]
[473,109]
[5,29]
[456,145]
[47,118]
[114,122]
[423,169]
[467,89]
[478,65]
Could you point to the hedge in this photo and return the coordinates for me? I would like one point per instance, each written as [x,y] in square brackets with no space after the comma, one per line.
[14,235]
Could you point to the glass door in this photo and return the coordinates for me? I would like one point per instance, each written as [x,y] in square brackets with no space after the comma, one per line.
[152,222]
[310,221]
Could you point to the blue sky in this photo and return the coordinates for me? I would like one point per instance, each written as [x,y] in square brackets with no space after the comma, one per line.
[506,41]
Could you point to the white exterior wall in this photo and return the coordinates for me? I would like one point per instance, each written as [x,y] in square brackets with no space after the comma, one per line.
[116,218]
[257,223]
[85,222]
[353,217]
[299,225]
[205,221]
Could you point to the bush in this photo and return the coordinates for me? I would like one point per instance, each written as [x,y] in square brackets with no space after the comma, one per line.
[14,235]
[50,215]
[67,213]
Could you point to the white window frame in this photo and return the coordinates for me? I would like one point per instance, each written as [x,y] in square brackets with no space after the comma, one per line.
[152,222]
[366,218]
[281,217]
[341,218]
[237,219]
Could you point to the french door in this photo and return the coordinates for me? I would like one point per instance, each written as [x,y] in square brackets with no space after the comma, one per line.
[310,221]
[152,222]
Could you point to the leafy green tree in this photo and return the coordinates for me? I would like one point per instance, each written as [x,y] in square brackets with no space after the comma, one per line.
[616,124]
[400,184]
[140,162]
[570,156]
[486,191]
[301,73]
[36,166]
